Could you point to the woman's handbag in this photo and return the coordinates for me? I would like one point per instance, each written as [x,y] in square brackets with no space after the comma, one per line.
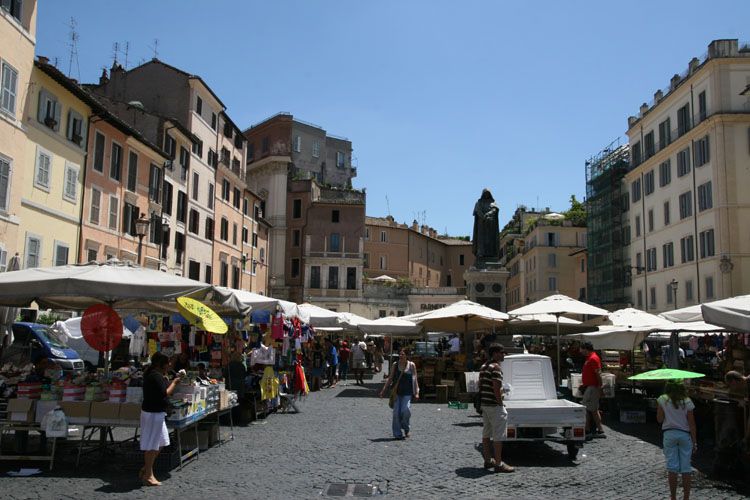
[392,399]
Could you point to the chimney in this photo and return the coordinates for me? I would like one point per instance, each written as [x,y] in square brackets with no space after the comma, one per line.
[658,95]
[43,60]
[104,79]
[423,229]
[723,48]
[631,120]
[643,108]
[693,65]
[674,82]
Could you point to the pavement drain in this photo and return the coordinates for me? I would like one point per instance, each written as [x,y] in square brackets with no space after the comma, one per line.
[352,490]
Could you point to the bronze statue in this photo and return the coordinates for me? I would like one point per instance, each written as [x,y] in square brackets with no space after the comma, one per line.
[486,236]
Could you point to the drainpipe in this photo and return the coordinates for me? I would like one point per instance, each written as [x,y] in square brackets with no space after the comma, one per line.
[645,252]
[695,206]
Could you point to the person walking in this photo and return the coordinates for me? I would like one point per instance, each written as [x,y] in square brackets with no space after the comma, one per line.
[154,433]
[402,379]
[377,358]
[591,385]
[675,414]
[494,414]
[344,355]
[316,361]
[358,362]
[332,358]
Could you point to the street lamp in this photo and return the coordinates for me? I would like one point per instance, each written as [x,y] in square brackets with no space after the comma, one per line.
[673,285]
[141,228]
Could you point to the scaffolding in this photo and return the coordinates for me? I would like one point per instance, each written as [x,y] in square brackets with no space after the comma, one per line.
[608,267]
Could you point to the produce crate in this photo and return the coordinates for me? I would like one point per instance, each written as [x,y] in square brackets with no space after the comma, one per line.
[458,405]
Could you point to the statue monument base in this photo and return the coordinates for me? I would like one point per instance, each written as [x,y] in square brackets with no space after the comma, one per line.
[487,285]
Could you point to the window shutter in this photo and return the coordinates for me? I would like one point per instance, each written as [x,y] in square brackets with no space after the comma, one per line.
[41,109]
[58,109]
[69,128]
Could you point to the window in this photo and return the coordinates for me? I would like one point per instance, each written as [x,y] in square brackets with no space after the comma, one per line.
[683,162]
[583,265]
[461,259]
[115,162]
[383,262]
[709,287]
[214,124]
[198,149]
[626,202]
[224,274]
[9,89]
[648,145]
[689,290]
[129,216]
[209,274]
[155,229]
[33,251]
[552,284]
[701,152]
[705,198]
[669,294]
[339,159]
[165,240]
[209,228]
[226,190]
[198,105]
[333,277]
[196,185]
[706,243]
[234,233]
[224,229]
[665,134]
[91,255]
[228,130]
[255,241]
[61,254]
[296,209]
[49,110]
[668,254]
[635,153]
[194,221]
[683,120]
[637,226]
[366,260]
[245,234]
[224,158]
[235,275]
[211,195]
[650,220]
[114,212]
[184,163]
[154,184]
[335,243]
[179,246]
[351,278]
[43,166]
[651,259]
[666,213]
[132,181]
[194,270]
[264,145]
[687,249]
[382,313]
[99,152]
[295,268]
[665,173]
[75,128]
[296,237]
[635,190]
[552,260]
[166,202]
[297,144]
[170,145]
[181,206]
[686,205]
[4,183]
[638,263]
[315,277]
[96,200]
[334,215]
[212,159]
[237,198]
[652,296]
[70,190]
[316,148]
[245,207]
[702,106]
[639,301]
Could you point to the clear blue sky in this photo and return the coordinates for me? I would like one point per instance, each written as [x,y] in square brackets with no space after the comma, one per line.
[440,98]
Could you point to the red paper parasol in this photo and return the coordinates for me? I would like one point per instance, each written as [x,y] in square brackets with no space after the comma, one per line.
[101,327]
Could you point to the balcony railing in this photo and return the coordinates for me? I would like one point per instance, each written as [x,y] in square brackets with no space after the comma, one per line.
[336,255]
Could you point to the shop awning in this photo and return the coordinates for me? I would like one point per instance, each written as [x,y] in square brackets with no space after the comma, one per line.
[242,300]
[732,313]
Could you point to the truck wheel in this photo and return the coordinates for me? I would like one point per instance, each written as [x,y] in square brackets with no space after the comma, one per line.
[572,451]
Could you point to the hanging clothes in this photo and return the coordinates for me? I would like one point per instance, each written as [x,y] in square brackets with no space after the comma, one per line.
[277,326]
[138,343]
[300,381]
[269,384]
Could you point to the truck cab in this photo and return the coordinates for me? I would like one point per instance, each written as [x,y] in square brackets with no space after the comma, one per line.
[534,411]
[33,341]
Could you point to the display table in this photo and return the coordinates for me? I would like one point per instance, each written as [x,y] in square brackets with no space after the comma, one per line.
[7,427]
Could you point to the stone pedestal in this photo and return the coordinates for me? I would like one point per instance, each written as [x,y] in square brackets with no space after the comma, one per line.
[487,286]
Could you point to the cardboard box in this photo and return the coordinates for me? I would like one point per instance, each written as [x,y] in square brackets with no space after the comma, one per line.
[78,412]
[105,413]
[44,407]
[21,410]
[130,413]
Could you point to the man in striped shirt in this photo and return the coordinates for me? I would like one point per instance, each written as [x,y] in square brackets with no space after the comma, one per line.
[494,415]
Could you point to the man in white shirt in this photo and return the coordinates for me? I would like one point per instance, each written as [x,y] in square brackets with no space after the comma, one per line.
[455,345]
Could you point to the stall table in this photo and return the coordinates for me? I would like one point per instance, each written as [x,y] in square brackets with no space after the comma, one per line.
[7,426]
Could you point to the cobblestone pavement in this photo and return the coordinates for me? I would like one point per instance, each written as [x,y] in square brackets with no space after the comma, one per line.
[343,435]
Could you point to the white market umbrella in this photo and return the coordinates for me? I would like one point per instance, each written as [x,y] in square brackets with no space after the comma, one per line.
[351,322]
[461,317]
[384,277]
[114,283]
[392,326]
[234,299]
[732,313]
[627,328]
[684,315]
[559,305]
[319,316]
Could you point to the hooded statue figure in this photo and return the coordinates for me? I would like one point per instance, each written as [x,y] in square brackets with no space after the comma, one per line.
[486,237]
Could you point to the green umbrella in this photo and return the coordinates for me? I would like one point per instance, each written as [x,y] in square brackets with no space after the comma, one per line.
[666,374]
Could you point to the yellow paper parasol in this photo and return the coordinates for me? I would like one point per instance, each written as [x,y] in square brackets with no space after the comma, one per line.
[201,315]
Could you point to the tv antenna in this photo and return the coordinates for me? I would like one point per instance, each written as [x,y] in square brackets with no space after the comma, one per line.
[155,48]
[388,205]
[115,53]
[73,48]
[127,50]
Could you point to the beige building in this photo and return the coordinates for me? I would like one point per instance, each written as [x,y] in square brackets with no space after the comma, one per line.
[688,200]
[17,42]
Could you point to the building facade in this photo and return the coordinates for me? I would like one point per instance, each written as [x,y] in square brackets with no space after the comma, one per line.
[687,196]
[17,42]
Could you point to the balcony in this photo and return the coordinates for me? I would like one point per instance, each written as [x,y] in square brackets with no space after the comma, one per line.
[335,255]
[341,196]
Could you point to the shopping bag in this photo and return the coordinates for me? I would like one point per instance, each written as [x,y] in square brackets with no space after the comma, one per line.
[55,424]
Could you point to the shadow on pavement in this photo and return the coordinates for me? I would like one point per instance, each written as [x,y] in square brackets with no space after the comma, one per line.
[468,424]
[384,440]
[532,455]
[473,472]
